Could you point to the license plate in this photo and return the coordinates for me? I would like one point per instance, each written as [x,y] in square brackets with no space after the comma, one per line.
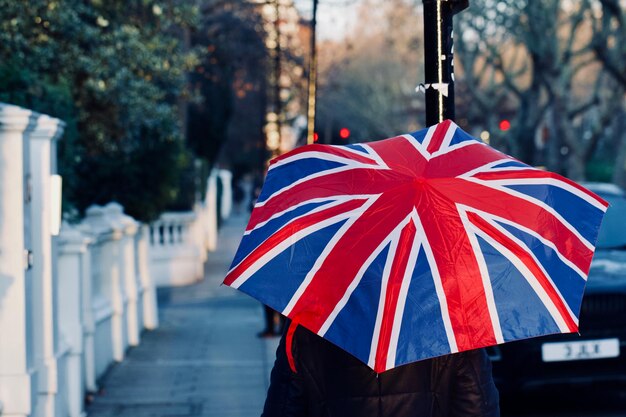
[580,350]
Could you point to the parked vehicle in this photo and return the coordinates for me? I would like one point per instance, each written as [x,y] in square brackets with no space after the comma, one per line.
[598,352]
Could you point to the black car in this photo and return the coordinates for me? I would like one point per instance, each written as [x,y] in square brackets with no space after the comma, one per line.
[598,352]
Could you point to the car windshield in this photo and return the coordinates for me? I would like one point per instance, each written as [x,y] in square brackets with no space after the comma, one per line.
[613,229]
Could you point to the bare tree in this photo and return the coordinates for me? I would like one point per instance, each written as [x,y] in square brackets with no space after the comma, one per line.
[542,54]
[367,81]
[609,46]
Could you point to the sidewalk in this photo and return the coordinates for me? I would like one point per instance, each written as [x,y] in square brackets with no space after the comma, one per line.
[204,359]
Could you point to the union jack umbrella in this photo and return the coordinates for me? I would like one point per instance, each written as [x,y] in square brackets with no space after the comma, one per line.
[418,246]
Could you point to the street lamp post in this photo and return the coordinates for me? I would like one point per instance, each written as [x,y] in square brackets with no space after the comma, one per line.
[277,72]
[438,55]
[312,79]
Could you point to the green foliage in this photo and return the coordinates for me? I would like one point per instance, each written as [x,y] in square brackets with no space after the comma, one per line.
[115,72]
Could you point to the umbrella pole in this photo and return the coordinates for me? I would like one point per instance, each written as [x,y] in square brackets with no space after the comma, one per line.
[438,64]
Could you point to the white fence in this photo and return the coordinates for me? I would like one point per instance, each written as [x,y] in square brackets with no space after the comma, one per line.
[179,241]
[71,305]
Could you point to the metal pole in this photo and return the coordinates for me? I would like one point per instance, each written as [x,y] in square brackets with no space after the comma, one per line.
[438,58]
[312,79]
[277,72]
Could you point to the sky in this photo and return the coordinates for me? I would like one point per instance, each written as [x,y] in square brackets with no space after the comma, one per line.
[334,17]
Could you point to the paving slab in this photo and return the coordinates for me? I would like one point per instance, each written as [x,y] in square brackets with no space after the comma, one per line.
[204,359]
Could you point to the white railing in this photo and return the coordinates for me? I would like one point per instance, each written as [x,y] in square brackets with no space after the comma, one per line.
[179,241]
[106,297]
[71,305]
[176,258]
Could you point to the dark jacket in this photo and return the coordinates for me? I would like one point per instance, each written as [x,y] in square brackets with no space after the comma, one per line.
[330,382]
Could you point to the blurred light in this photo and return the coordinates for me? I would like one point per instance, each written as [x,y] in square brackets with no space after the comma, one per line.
[316,137]
[273,140]
[102,22]
[505,125]
[344,133]
[484,135]
[56,189]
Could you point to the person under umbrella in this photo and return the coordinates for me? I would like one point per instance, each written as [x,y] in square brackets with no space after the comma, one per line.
[318,378]
[412,253]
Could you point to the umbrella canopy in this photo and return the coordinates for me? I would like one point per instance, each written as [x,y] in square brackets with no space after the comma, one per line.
[418,246]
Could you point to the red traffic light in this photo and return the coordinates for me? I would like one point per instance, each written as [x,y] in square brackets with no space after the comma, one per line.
[344,133]
[504,125]
[316,137]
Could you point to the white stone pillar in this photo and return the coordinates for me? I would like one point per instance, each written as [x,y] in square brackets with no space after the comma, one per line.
[211,205]
[109,298]
[189,222]
[149,298]
[127,268]
[16,357]
[227,192]
[196,232]
[45,131]
[89,325]
[89,303]
[73,247]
